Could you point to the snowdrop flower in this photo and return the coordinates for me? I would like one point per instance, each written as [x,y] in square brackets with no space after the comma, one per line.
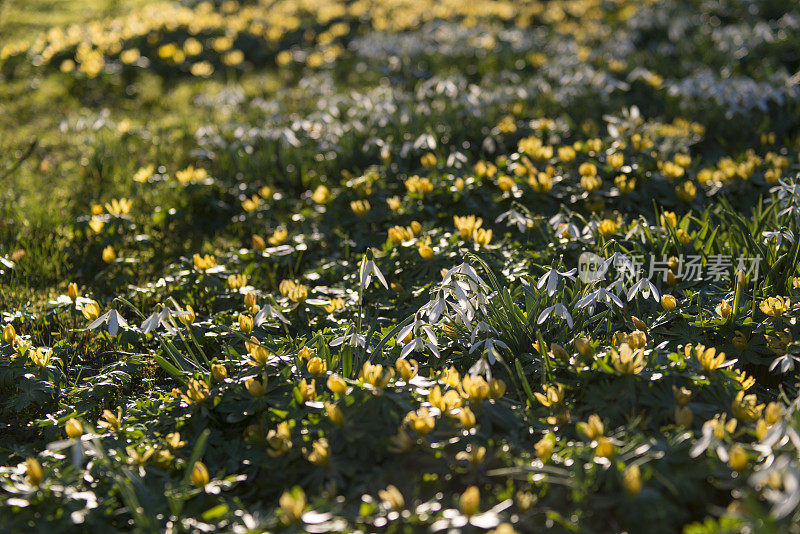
[368,268]
[552,277]
[556,310]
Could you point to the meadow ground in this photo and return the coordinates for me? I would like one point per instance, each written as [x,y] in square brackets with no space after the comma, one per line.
[399,266]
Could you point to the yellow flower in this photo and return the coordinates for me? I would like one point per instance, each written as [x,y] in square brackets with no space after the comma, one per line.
[360,207]
[467,225]
[668,218]
[444,403]
[96,224]
[219,372]
[118,207]
[475,387]
[307,389]
[375,376]
[197,392]
[73,428]
[199,476]
[724,309]
[466,416]
[256,388]
[607,227]
[544,448]
[258,243]
[394,203]
[551,396]
[505,183]
[407,368]
[587,169]
[259,354]
[773,413]
[245,323]
[174,441]
[668,302]
[298,293]
[739,341]
[72,291]
[392,498]
[738,458]
[415,184]
[616,160]
[109,256]
[604,448]
[334,413]
[746,407]
[593,428]
[337,384]
[190,174]
[473,455]
[775,306]
[278,236]
[33,470]
[707,357]
[686,191]
[627,361]
[316,366]
[428,160]
[293,504]
[497,388]
[425,251]
[9,333]
[321,195]
[320,453]
[110,420]
[41,356]
[632,480]
[335,304]
[203,263]
[420,421]
[470,501]
[683,416]
[279,440]
[681,395]
[482,236]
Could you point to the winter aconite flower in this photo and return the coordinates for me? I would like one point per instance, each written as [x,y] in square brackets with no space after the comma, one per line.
[774,306]
[392,498]
[470,501]
[33,471]
[292,505]
[626,360]
[73,428]
[632,479]
[199,476]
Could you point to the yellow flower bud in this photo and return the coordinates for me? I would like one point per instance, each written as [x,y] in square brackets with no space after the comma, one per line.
[73,428]
[497,388]
[33,469]
[109,256]
[199,476]
[738,458]
[632,480]
[407,368]
[334,413]
[604,448]
[72,291]
[9,333]
[91,310]
[245,323]
[683,416]
[668,302]
[256,388]
[219,372]
[292,505]
[470,501]
[258,243]
[337,384]
[392,498]
[316,366]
